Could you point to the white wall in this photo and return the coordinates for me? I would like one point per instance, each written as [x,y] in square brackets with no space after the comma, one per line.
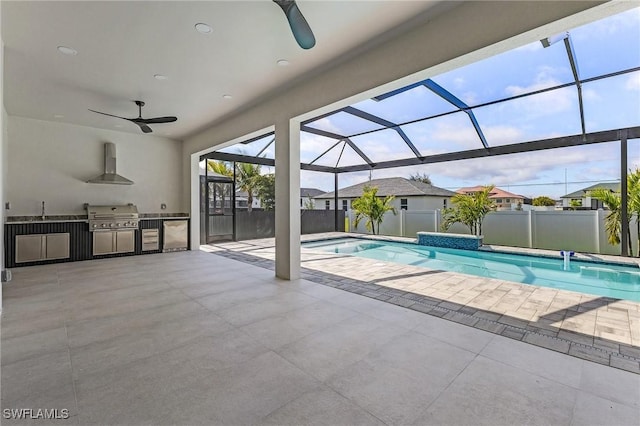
[51,162]
[3,155]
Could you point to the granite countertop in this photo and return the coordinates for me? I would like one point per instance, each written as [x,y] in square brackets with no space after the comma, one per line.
[83,218]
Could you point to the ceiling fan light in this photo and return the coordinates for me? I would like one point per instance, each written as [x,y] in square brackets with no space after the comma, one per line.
[203,28]
[67,50]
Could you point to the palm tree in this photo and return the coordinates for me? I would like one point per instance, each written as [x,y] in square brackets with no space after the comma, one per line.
[222,168]
[613,220]
[248,180]
[219,167]
[470,210]
[373,208]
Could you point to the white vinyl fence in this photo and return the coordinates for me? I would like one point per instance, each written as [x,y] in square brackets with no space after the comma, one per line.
[580,231]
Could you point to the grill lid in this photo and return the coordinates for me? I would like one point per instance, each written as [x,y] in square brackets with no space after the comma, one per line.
[107,212]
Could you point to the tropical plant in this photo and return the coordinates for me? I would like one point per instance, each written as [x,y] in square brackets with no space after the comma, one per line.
[373,208]
[613,201]
[248,180]
[469,209]
[266,191]
[309,204]
[574,204]
[543,200]
[225,169]
[220,167]
[613,220]
[420,177]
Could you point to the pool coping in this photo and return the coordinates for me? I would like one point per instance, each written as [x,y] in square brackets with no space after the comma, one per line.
[576,343]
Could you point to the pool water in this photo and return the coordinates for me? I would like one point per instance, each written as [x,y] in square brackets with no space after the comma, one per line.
[601,279]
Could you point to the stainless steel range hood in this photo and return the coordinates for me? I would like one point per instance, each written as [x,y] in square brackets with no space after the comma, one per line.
[110,176]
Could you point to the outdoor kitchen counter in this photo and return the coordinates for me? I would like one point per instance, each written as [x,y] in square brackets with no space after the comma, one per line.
[80,238]
[15,220]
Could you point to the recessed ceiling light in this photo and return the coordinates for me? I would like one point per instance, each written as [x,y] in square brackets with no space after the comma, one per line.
[58,116]
[203,28]
[160,77]
[282,62]
[227,96]
[67,50]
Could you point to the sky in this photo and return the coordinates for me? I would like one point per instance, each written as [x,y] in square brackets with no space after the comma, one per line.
[601,47]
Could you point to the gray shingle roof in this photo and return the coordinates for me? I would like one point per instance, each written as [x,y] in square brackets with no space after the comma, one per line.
[612,186]
[310,192]
[397,186]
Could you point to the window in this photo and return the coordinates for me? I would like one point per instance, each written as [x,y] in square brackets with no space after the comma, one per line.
[444,203]
[345,205]
[499,200]
[508,200]
[404,204]
[327,205]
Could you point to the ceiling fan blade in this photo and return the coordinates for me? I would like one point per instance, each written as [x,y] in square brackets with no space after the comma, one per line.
[110,115]
[156,120]
[299,26]
[143,127]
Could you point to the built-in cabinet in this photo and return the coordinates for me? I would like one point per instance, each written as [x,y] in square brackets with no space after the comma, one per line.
[71,241]
[109,242]
[37,247]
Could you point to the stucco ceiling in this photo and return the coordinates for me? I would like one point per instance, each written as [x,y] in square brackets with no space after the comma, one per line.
[122,45]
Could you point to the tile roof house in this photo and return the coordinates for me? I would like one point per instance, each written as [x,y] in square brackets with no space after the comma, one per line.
[410,195]
[504,200]
[586,202]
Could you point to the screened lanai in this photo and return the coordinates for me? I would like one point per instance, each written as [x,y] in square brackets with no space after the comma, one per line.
[577,88]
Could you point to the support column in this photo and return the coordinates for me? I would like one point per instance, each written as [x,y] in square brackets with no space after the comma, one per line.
[287,208]
[335,202]
[624,214]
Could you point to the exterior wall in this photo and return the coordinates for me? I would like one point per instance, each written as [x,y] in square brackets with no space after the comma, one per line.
[413,203]
[51,162]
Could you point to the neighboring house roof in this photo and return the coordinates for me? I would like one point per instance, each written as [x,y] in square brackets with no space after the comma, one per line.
[310,192]
[495,192]
[611,186]
[397,186]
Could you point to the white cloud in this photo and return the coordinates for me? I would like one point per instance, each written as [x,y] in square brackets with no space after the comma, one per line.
[633,82]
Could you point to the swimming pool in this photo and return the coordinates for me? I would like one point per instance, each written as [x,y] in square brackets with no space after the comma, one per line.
[601,279]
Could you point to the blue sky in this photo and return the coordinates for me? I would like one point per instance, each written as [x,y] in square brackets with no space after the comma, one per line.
[601,47]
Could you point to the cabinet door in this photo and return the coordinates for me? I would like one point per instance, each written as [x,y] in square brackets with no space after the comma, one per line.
[57,246]
[29,248]
[125,241]
[103,242]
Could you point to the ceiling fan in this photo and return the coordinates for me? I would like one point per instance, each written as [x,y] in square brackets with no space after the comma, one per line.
[142,122]
[299,26]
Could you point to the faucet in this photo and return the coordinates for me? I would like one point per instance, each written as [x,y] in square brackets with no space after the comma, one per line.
[43,210]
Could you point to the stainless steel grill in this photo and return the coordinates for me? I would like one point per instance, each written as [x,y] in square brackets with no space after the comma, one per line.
[112,218]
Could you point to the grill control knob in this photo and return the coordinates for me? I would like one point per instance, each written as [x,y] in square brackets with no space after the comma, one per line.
[117,224]
[95,225]
[103,225]
[111,225]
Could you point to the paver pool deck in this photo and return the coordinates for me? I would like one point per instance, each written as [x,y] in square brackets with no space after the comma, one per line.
[599,329]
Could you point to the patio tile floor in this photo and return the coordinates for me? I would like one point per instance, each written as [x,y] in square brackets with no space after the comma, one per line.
[599,329]
[113,349]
